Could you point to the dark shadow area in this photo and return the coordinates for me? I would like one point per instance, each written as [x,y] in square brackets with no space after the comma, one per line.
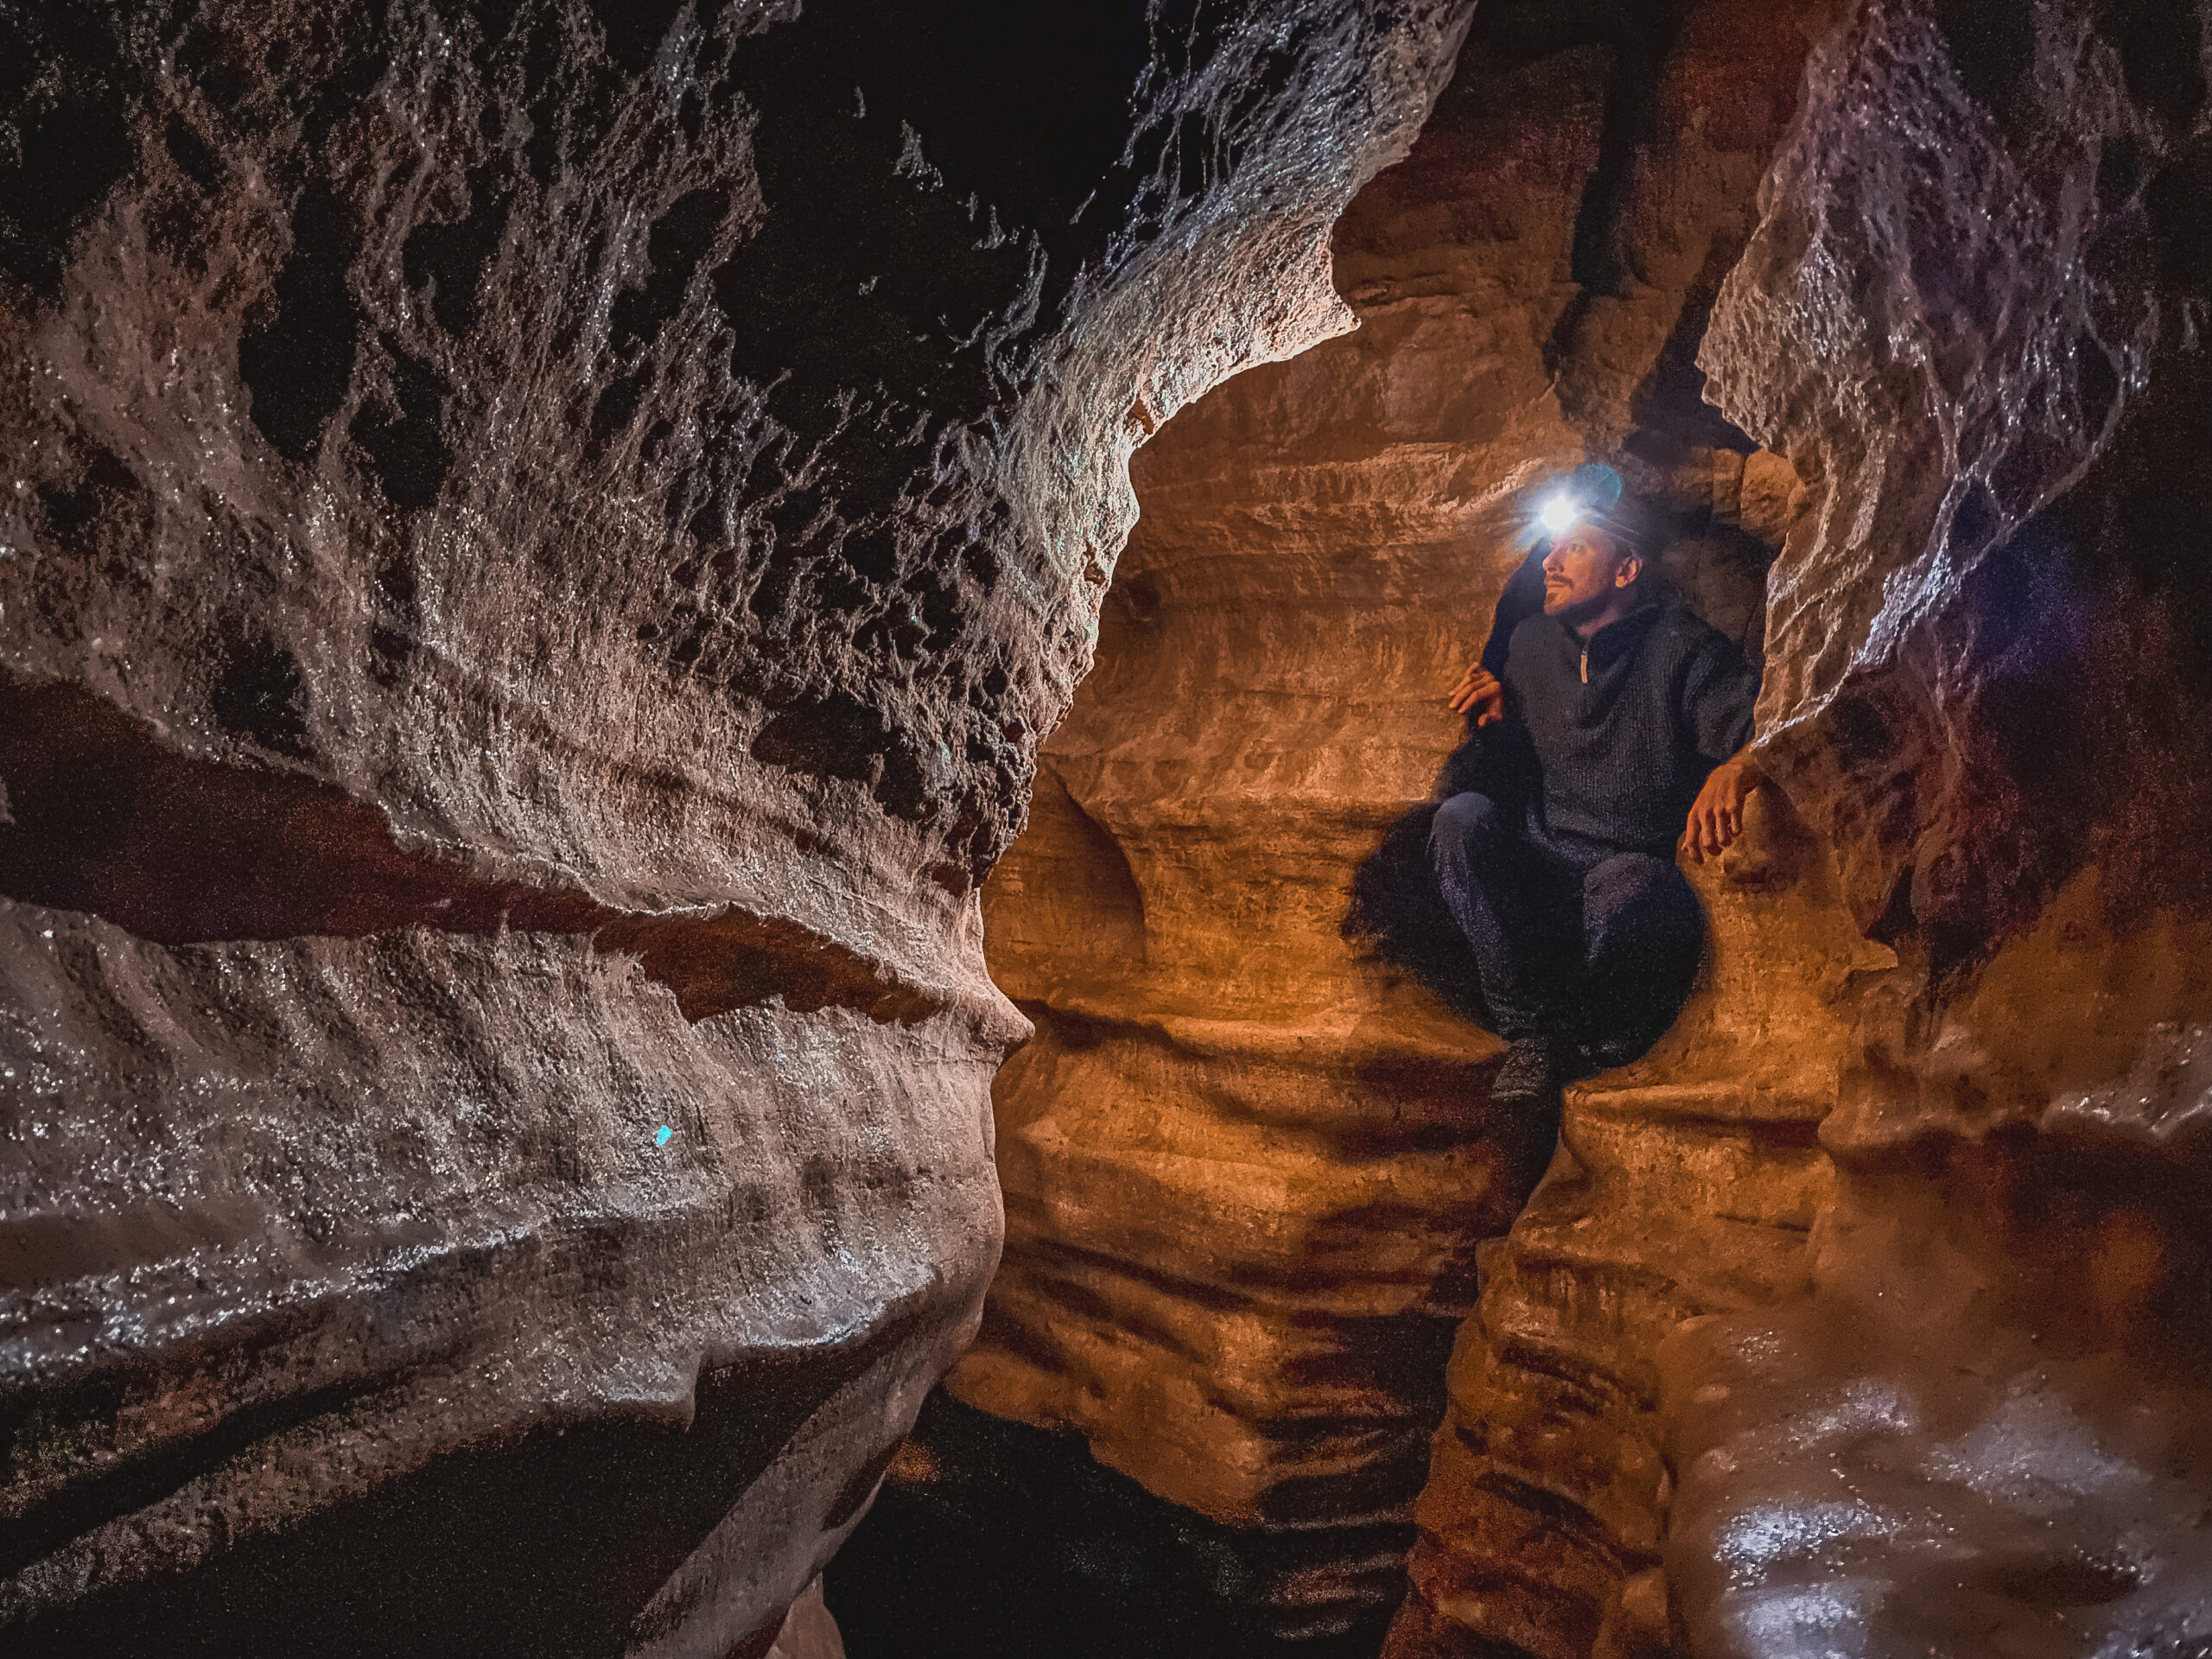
[102,817]
[543,1545]
[993,1539]
[2064,611]
[1397,911]
[299,366]
[1673,419]
[70,79]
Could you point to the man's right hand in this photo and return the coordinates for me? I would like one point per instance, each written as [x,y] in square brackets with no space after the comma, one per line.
[1478,690]
[1717,815]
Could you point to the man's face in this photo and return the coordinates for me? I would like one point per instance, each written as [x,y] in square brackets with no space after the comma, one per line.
[1582,572]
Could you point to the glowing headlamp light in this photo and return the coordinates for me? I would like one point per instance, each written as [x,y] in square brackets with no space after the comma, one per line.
[1560,514]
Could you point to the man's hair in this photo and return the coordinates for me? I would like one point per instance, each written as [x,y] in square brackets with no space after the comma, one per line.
[1634,529]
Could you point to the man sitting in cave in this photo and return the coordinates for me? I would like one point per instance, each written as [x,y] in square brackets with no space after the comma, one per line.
[1604,730]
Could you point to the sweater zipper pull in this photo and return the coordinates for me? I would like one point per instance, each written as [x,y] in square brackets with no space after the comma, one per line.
[1585,664]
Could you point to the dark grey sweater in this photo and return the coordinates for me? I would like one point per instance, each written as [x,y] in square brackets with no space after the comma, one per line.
[1614,747]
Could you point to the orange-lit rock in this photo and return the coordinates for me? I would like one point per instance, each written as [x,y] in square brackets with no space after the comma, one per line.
[1866,1315]
[542,546]
[540,540]
[1981,1424]
[1246,1164]
[1686,1186]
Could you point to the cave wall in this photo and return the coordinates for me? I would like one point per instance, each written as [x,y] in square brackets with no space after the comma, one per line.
[1248,1160]
[1684,1189]
[542,543]
[1686,1181]
[1979,1427]
[1865,1313]
[542,539]
[1907,1359]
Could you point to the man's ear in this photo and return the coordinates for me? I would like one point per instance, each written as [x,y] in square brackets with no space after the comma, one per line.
[1629,570]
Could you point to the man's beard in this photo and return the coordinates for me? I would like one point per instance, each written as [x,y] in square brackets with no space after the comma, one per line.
[1575,612]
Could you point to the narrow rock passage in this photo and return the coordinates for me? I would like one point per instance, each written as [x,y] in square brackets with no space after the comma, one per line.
[550,555]
[1249,1158]
[539,541]
[1864,1314]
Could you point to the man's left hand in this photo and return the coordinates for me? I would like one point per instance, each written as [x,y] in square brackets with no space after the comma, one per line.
[1717,816]
[1480,694]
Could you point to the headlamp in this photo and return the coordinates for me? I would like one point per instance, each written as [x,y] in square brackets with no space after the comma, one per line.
[1588,494]
[1560,514]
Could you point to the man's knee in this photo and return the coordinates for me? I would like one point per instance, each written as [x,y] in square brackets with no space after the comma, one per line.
[1643,932]
[1467,819]
[1640,916]
[1637,885]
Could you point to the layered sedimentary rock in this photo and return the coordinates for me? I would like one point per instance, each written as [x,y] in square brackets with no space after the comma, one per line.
[1248,1159]
[809,1631]
[1962,1415]
[1981,1427]
[1686,1188]
[1959,1415]
[540,540]
[1860,1315]
[540,544]
[1686,1180]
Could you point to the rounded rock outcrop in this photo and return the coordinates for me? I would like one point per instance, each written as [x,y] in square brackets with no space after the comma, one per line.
[543,539]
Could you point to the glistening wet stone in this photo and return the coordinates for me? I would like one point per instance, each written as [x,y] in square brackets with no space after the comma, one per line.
[547,535]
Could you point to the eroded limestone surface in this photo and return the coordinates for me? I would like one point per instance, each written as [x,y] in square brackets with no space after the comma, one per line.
[540,540]
[1980,1428]
[1958,1413]
[1865,1315]
[1248,1158]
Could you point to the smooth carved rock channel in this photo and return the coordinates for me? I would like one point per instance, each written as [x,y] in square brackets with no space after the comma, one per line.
[548,560]
[540,542]
[1249,1162]
[1864,1314]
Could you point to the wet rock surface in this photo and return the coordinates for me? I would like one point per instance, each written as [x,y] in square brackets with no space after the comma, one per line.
[1863,1315]
[1684,1189]
[541,541]
[542,544]
[1977,1428]
[1955,1415]
[1250,1157]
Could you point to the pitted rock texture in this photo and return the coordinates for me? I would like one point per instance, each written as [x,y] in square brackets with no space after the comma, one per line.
[540,540]
[1248,1162]
[1959,1413]
[1684,1189]
[1970,316]
[1866,1315]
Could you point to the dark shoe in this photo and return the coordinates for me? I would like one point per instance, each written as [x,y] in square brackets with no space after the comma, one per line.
[1531,1072]
[1525,1090]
